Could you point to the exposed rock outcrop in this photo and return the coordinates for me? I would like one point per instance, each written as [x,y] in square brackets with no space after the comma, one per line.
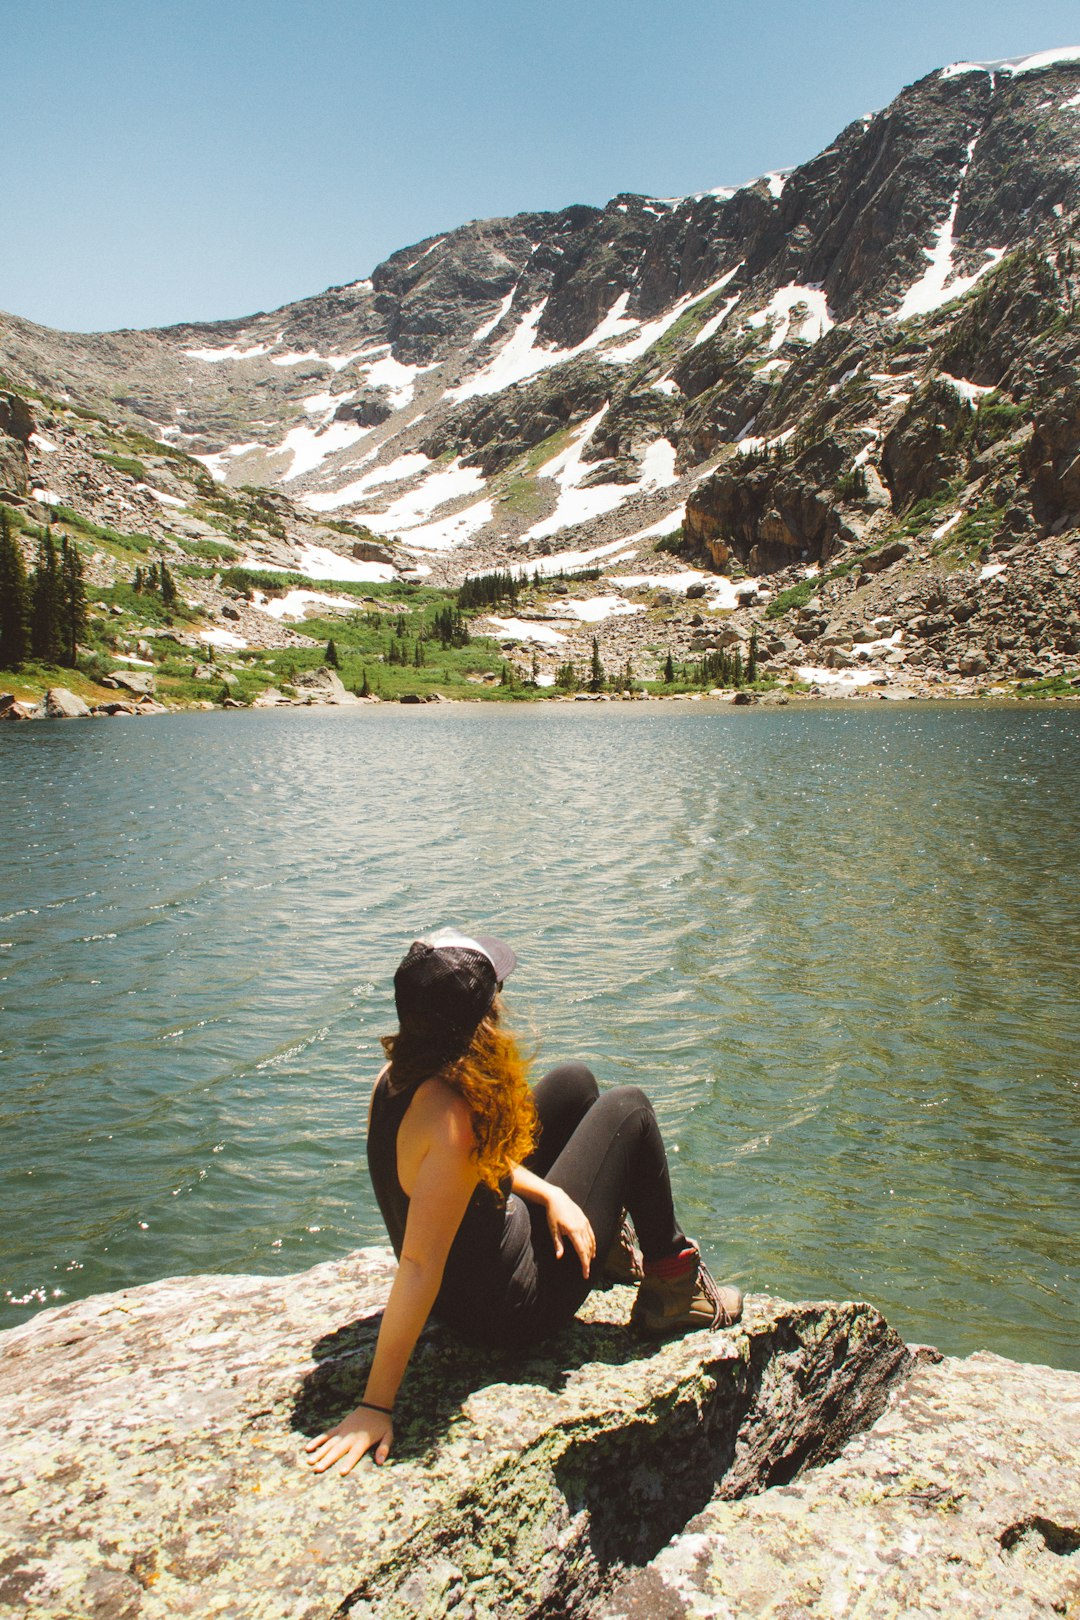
[16,426]
[876,349]
[964,1498]
[152,1464]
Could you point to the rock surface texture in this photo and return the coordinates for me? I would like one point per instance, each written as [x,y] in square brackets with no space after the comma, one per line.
[152,1464]
[963,1499]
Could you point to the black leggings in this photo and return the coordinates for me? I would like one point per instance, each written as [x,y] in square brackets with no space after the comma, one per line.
[605,1150]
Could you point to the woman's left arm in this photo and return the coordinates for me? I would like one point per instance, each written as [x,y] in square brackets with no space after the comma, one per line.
[444,1184]
[565,1218]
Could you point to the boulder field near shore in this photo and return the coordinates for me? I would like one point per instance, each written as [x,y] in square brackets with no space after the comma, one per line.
[806,1462]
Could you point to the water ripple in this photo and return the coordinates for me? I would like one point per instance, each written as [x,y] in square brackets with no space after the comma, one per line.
[838,946]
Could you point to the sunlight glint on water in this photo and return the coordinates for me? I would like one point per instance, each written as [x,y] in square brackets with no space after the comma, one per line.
[840,947]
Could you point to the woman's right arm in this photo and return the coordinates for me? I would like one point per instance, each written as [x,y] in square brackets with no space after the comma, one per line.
[444,1183]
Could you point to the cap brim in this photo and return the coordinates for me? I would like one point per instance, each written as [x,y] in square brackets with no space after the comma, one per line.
[502,958]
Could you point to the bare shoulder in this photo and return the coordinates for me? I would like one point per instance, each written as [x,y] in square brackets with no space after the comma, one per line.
[442,1116]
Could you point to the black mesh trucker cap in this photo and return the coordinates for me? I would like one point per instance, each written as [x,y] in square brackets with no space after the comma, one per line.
[447,981]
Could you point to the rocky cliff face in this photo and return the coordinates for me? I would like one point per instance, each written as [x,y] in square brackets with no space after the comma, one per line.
[152,1465]
[879,346]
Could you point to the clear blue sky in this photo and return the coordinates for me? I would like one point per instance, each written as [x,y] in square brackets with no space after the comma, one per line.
[169,160]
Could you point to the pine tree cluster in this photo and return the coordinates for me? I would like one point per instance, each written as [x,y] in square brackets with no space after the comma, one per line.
[42,614]
[721,668]
[450,628]
[488,590]
[156,577]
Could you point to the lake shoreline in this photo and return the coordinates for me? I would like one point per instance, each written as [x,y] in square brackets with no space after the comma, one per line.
[16,711]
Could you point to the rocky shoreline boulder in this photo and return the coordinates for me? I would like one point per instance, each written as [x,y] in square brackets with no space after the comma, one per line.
[152,1464]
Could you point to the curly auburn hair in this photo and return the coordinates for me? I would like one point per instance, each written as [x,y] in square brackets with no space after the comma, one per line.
[491,1077]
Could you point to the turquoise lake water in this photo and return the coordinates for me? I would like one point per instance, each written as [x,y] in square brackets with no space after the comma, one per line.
[840,946]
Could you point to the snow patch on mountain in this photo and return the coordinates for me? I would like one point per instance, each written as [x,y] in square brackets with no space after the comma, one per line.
[294,604]
[654,330]
[310,446]
[233,352]
[1016,64]
[396,377]
[521,358]
[577,505]
[715,323]
[678,582]
[217,461]
[449,483]
[595,609]
[939,283]
[161,497]
[572,562]
[780,310]
[968,391]
[525,630]
[295,357]
[319,562]
[488,327]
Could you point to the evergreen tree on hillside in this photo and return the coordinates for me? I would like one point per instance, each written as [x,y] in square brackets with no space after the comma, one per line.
[14,599]
[46,640]
[596,669]
[332,659]
[669,670]
[73,616]
[167,586]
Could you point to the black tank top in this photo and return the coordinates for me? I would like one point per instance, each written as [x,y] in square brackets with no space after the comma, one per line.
[489,1284]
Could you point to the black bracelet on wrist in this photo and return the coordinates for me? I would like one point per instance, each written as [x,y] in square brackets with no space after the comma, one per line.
[387,1411]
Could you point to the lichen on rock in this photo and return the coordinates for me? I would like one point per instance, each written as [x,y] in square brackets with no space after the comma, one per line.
[154,1464]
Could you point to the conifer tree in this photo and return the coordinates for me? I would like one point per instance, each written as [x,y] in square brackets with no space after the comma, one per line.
[365,688]
[168,588]
[669,670]
[596,669]
[73,616]
[45,628]
[332,659]
[14,599]
[751,667]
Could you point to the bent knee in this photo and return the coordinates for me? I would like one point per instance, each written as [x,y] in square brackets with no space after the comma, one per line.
[627,1100]
[573,1079]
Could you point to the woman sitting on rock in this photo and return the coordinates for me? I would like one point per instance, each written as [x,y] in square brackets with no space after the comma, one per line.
[498,1198]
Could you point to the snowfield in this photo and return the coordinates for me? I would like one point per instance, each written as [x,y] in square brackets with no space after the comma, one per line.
[781,311]
[525,630]
[940,282]
[319,562]
[595,609]
[569,470]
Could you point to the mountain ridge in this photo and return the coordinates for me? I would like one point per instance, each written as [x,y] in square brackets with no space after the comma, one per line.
[779,372]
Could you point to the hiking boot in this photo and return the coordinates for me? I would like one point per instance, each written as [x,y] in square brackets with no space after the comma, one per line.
[623,1263]
[668,1305]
